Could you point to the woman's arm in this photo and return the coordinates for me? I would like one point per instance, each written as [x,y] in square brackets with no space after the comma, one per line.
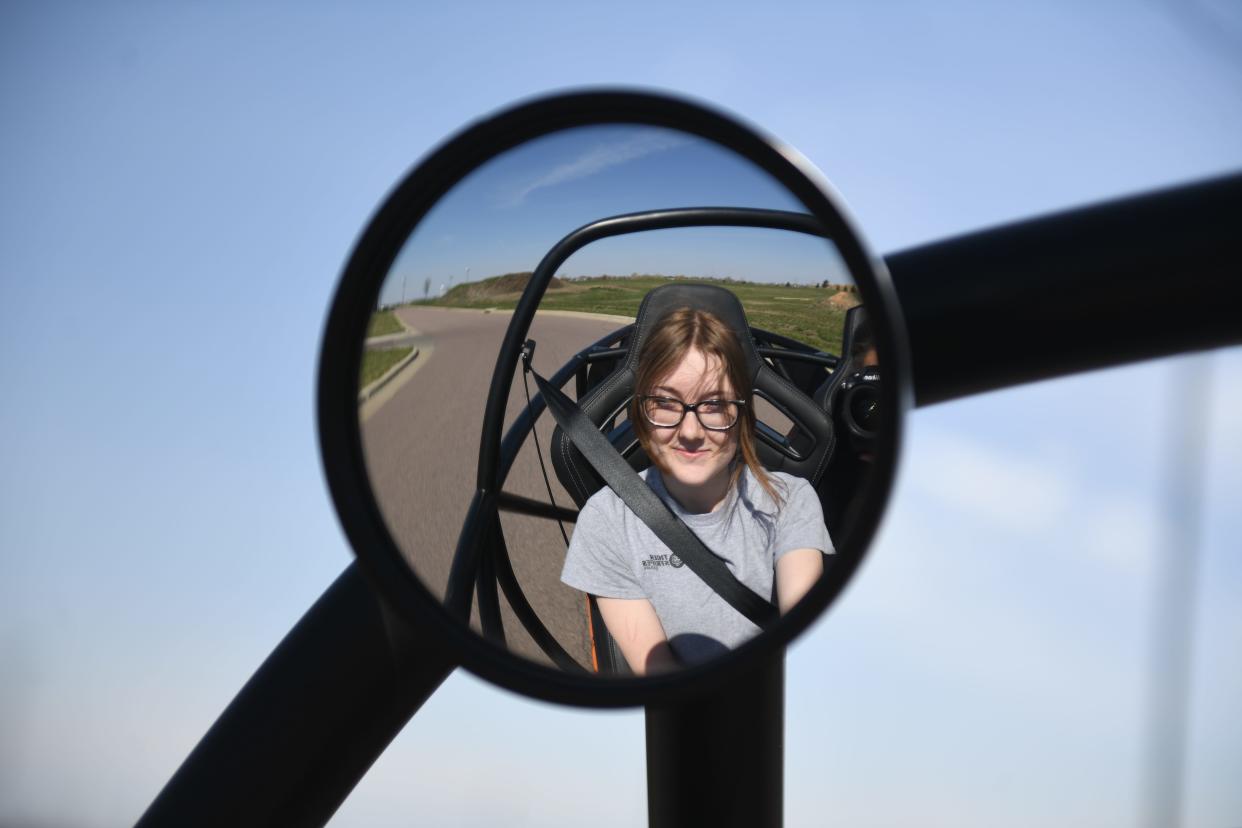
[636,627]
[796,573]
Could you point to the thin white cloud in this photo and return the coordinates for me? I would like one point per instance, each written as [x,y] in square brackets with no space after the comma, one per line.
[1124,534]
[1011,488]
[1032,495]
[599,158]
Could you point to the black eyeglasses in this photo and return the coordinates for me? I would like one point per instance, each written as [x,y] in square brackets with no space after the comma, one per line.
[668,412]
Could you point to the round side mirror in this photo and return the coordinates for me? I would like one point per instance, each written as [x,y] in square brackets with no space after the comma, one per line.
[559,238]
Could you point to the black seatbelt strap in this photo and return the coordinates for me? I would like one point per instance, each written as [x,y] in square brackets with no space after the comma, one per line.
[649,508]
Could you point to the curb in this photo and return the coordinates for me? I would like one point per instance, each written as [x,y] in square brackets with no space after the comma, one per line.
[381,341]
[370,391]
[611,317]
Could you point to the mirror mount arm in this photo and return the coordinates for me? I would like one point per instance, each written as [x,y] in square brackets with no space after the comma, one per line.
[736,733]
[1074,291]
[301,733]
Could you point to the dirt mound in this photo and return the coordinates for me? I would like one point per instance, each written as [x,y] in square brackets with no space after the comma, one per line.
[504,285]
[841,300]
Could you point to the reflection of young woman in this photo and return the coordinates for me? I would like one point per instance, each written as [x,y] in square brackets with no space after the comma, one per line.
[695,418]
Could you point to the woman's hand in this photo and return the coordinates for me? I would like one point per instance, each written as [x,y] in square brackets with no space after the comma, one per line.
[638,632]
[796,573]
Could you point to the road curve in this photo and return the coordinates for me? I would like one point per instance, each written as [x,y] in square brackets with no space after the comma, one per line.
[421,447]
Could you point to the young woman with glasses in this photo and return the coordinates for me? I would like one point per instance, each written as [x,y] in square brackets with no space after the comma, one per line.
[694,417]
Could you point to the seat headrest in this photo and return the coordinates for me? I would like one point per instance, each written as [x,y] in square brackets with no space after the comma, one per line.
[855,325]
[721,303]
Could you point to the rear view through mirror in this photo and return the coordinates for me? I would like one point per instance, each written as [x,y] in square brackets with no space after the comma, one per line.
[536,260]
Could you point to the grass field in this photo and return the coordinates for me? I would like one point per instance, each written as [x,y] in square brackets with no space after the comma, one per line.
[807,314]
[376,362]
[383,323]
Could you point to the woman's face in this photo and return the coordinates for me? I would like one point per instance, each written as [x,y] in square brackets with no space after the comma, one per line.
[692,457]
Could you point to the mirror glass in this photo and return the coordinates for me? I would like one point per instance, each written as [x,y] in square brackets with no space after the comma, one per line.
[442,311]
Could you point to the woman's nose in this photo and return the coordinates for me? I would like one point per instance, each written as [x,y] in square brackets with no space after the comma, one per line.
[691,428]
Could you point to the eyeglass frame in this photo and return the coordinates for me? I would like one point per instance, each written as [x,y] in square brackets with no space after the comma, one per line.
[687,408]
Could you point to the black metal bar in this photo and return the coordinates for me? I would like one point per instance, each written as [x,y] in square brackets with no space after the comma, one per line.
[509,502]
[1133,279]
[580,381]
[473,545]
[816,357]
[459,591]
[485,587]
[527,615]
[309,723]
[519,324]
[780,368]
[603,354]
[762,335]
[719,759]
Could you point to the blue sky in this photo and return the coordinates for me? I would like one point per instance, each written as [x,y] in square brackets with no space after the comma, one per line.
[181,186]
[503,217]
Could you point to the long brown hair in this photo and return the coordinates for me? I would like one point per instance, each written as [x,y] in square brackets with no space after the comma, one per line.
[673,335]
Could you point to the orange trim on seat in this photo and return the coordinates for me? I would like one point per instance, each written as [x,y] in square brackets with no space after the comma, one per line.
[591,633]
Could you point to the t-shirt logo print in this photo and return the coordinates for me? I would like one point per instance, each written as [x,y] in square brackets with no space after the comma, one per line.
[658,561]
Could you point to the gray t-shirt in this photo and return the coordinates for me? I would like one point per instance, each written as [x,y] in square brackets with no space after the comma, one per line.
[613,554]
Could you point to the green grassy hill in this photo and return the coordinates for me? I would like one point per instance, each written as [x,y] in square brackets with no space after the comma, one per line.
[814,315]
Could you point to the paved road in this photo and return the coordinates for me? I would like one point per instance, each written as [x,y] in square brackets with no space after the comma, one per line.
[421,441]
